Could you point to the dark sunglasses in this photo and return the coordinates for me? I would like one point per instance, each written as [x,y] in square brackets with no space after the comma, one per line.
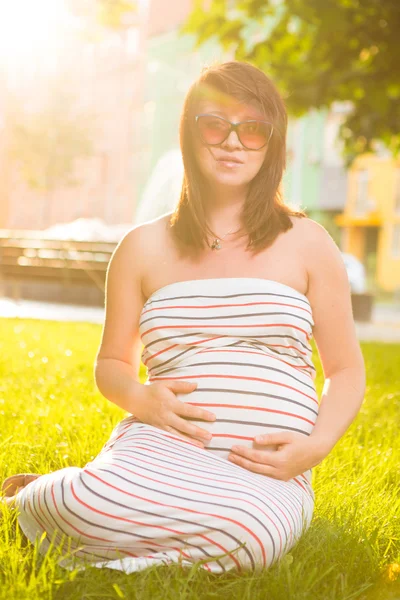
[214,130]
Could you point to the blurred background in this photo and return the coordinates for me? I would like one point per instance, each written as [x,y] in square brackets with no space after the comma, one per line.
[90,98]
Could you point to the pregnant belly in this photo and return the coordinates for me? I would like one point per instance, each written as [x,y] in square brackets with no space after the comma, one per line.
[248,400]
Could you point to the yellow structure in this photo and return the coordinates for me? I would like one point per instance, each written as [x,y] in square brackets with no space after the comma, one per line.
[371,219]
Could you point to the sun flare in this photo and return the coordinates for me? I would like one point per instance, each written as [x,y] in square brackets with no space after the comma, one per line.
[30,29]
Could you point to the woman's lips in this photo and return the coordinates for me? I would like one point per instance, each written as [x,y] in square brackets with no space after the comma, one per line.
[229,164]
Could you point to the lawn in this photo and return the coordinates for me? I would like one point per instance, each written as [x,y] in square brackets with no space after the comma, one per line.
[52,416]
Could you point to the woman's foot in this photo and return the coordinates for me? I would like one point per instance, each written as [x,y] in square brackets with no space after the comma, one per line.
[8,500]
[12,485]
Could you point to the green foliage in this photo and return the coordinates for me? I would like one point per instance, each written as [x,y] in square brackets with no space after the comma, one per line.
[317,53]
[46,143]
[115,14]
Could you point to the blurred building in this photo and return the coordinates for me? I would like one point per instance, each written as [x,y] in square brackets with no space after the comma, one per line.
[371,217]
[316,178]
[134,82]
[106,78]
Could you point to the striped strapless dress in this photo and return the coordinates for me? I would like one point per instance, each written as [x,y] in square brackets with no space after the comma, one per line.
[152,497]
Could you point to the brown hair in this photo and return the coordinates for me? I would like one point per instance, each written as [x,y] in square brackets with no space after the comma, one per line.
[264,213]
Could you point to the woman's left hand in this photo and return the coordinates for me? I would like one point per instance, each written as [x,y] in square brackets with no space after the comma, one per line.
[295,454]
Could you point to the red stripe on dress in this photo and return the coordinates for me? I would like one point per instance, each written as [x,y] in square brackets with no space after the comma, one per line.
[242,377]
[93,537]
[43,513]
[268,494]
[251,352]
[285,500]
[59,534]
[144,312]
[224,327]
[211,494]
[270,410]
[300,484]
[185,462]
[189,344]
[200,535]
[34,516]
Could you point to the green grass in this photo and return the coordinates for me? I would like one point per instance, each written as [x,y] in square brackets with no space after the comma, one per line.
[52,416]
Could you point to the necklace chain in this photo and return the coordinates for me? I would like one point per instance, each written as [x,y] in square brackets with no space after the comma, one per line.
[216,242]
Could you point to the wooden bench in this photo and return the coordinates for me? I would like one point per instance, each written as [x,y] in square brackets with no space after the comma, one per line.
[25,256]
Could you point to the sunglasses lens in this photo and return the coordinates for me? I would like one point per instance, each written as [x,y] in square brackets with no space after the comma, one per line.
[212,129]
[254,134]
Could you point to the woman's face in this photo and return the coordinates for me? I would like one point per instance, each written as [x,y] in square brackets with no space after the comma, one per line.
[219,172]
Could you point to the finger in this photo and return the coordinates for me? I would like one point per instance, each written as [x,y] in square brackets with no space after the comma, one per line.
[193,412]
[181,387]
[189,428]
[274,438]
[255,467]
[262,456]
[180,434]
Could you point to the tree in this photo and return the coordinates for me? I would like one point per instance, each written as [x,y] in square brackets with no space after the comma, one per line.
[318,52]
[45,144]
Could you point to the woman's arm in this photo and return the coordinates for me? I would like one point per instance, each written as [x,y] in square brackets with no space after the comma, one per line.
[341,400]
[334,332]
[117,364]
[117,381]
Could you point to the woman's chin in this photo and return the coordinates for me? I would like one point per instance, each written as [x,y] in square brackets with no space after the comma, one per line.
[227,179]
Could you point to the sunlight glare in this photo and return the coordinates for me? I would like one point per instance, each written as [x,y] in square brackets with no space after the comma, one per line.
[30,29]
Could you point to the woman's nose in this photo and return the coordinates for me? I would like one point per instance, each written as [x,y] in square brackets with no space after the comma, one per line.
[232,140]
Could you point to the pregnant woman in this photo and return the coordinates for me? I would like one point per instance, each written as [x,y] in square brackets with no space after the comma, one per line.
[213,464]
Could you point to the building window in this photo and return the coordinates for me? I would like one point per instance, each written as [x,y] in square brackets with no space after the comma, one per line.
[362,191]
[397,191]
[396,241]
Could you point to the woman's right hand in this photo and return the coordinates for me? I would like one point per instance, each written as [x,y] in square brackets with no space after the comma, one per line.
[161,408]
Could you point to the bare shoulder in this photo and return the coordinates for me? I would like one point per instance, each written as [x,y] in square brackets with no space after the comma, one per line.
[322,252]
[316,246]
[309,231]
[304,230]
[148,232]
[329,294]
[145,239]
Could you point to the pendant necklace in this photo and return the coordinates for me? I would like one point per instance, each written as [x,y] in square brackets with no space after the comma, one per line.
[216,242]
